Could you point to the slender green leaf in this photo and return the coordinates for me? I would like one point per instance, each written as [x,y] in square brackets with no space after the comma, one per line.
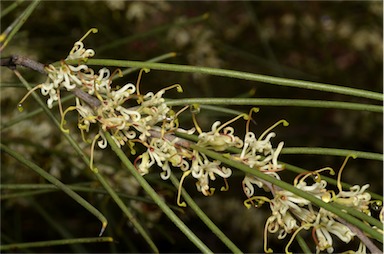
[85,158]
[332,151]
[207,221]
[59,227]
[55,243]
[303,244]
[279,103]
[239,75]
[286,186]
[10,8]
[84,203]
[158,200]
[10,32]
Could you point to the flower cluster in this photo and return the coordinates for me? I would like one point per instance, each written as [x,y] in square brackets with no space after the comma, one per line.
[131,117]
[134,118]
[291,213]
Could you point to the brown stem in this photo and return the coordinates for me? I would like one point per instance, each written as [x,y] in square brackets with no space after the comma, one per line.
[14,60]
[366,240]
[89,99]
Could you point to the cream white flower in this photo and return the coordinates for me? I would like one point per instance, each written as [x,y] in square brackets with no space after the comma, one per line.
[259,153]
[79,52]
[150,122]
[145,163]
[325,225]
[248,182]
[162,152]
[204,170]
[281,217]
[63,77]
[324,240]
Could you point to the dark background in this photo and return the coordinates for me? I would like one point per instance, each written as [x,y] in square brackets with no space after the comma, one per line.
[329,42]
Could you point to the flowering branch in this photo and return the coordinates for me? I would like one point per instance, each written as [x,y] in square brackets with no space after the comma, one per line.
[151,123]
[15,60]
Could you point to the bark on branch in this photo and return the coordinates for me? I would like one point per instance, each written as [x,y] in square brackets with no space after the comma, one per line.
[14,60]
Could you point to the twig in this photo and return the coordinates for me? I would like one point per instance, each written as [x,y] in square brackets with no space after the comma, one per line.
[89,99]
[14,60]
[370,245]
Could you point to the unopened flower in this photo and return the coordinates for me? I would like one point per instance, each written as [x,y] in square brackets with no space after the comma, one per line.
[356,197]
[219,141]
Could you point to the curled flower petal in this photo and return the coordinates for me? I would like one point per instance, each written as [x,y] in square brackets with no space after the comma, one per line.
[102,143]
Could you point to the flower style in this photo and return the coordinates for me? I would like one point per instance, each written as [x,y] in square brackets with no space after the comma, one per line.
[86,117]
[112,114]
[95,83]
[248,182]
